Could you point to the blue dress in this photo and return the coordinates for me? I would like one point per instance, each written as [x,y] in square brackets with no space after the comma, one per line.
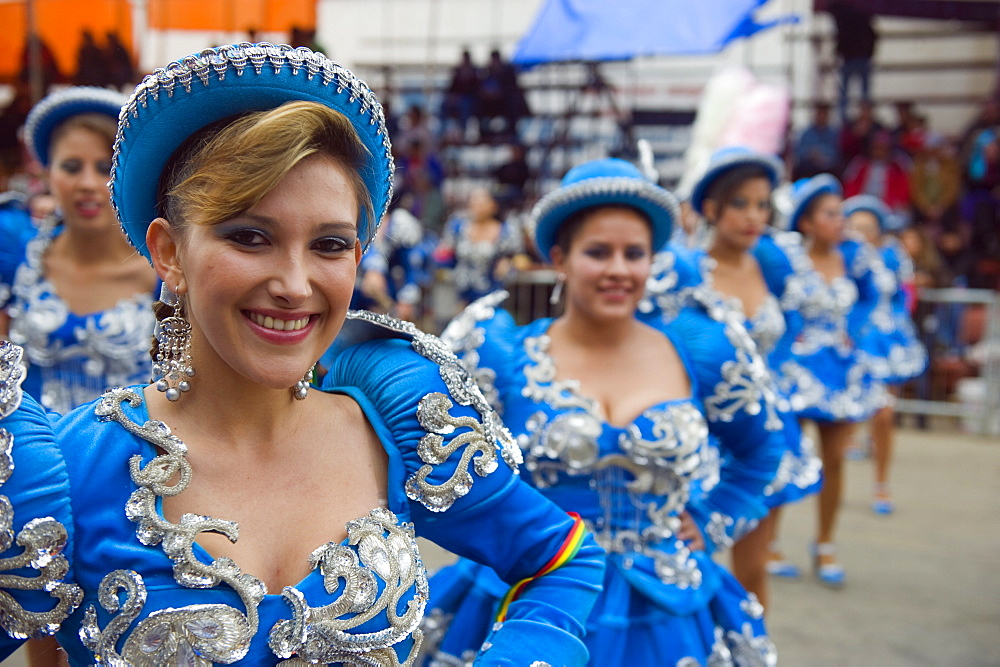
[474,263]
[149,594]
[828,371]
[662,602]
[72,358]
[800,471]
[402,254]
[896,354]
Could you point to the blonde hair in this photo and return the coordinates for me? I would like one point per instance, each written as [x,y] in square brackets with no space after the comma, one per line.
[221,173]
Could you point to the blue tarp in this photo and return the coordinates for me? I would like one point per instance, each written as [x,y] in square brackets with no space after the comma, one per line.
[599,30]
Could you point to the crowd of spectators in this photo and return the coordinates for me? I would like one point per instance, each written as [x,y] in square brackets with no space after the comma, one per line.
[944,191]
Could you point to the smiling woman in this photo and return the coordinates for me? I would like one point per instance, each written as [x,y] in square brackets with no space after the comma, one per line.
[274,519]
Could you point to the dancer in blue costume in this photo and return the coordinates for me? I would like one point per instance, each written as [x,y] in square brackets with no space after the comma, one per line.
[478,247]
[899,355]
[239,515]
[610,416]
[78,297]
[395,272]
[828,352]
[734,196]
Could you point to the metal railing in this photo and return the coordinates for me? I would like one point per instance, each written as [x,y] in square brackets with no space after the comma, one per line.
[941,317]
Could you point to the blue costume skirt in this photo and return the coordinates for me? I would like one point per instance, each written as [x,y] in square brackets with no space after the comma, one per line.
[628,626]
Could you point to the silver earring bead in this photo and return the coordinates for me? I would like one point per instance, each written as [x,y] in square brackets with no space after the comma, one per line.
[301,388]
[557,290]
[173,368]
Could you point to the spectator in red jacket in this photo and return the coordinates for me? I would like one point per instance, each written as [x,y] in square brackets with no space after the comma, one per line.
[880,173]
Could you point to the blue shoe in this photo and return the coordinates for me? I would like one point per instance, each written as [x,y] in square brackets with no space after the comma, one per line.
[883,506]
[831,575]
[783,568]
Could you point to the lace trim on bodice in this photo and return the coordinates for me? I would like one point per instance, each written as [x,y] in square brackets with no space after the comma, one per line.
[42,540]
[104,349]
[378,549]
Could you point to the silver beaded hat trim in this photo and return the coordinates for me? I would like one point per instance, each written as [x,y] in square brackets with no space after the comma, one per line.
[45,116]
[806,192]
[727,159]
[553,209]
[176,101]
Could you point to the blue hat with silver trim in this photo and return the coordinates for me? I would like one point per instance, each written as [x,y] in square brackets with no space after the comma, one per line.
[727,159]
[805,190]
[187,95]
[871,204]
[62,105]
[605,182]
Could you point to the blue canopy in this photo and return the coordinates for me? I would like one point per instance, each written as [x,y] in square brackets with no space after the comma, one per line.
[598,30]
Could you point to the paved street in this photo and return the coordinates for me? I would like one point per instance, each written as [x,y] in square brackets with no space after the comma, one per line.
[923,584]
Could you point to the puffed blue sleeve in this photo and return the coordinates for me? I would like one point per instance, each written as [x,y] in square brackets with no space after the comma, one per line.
[785,269]
[730,379]
[466,495]
[35,593]
[15,232]
[862,262]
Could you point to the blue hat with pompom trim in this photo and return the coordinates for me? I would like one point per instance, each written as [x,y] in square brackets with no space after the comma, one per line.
[727,159]
[189,94]
[62,105]
[871,204]
[805,190]
[605,182]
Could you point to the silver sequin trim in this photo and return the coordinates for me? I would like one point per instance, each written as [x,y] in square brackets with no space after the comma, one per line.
[42,540]
[464,337]
[233,60]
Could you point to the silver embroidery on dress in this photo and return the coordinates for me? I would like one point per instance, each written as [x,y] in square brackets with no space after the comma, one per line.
[203,634]
[42,540]
[481,440]
[323,634]
[749,650]
[746,383]
[642,490]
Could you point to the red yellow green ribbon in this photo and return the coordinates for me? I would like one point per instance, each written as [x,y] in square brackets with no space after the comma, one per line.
[565,553]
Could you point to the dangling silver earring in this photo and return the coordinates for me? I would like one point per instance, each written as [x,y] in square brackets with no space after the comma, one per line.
[301,388]
[557,290]
[173,356]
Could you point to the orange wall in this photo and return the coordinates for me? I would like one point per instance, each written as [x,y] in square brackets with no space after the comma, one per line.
[232,15]
[60,22]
